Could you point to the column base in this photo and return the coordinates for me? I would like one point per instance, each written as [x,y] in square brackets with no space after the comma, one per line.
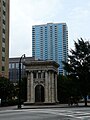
[50,103]
[29,103]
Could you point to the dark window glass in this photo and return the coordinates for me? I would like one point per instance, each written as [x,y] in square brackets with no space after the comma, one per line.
[4,31]
[44,75]
[4,4]
[3,58]
[39,75]
[3,68]
[3,49]
[34,75]
[3,12]
[3,21]
[3,39]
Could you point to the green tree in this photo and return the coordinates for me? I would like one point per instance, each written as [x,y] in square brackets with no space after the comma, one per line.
[7,90]
[62,89]
[78,67]
[66,89]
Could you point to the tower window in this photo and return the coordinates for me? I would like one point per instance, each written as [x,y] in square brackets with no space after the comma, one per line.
[4,31]
[3,39]
[3,12]
[4,22]
[3,49]
[4,4]
[3,68]
[3,58]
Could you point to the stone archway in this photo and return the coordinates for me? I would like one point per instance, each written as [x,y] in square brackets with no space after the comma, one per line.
[41,81]
[39,94]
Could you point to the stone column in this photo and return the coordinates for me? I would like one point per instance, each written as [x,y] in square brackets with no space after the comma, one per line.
[46,87]
[53,88]
[36,74]
[56,87]
[49,87]
[28,88]
[41,74]
[32,89]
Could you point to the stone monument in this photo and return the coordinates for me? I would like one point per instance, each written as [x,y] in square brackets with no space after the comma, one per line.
[41,81]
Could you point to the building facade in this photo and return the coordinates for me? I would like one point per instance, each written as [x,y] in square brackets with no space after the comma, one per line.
[41,82]
[14,68]
[50,42]
[4,38]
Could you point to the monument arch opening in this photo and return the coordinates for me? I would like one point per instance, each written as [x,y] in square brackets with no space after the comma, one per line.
[39,94]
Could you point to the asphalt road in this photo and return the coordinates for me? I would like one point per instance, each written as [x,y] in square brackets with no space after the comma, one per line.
[47,114]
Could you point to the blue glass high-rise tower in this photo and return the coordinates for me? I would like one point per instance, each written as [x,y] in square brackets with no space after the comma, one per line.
[50,42]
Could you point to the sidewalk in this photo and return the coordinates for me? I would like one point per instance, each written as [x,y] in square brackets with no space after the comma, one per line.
[53,106]
[41,106]
[8,108]
[33,107]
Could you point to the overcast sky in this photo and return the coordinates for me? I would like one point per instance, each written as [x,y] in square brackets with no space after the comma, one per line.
[25,13]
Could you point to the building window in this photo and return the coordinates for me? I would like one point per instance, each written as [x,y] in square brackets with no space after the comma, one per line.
[3,49]
[3,39]
[4,31]
[3,68]
[34,75]
[4,4]
[39,75]
[3,12]
[17,65]
[3,58]
[3,21]
[12,65]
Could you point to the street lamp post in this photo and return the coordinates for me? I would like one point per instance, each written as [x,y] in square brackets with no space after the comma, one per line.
[19,94]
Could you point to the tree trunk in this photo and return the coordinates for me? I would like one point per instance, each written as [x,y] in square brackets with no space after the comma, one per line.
[85,98]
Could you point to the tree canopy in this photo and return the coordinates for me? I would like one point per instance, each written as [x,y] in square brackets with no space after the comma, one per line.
[78,67]
[7,90]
